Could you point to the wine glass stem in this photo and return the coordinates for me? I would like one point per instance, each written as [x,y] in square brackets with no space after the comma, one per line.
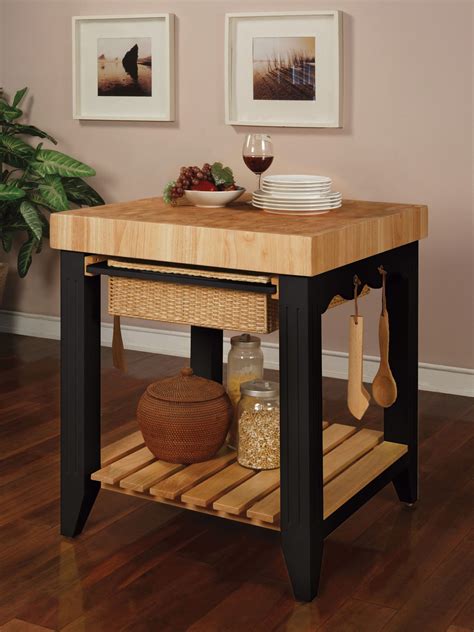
[259,181]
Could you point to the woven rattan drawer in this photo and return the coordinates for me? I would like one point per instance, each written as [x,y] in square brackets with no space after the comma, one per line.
[215,307]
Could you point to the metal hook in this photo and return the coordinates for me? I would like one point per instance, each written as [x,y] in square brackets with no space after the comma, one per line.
[356,282]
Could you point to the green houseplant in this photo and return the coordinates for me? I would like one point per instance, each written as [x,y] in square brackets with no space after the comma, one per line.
[35,182]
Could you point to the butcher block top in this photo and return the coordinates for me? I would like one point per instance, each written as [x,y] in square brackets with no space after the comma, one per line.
[238,237]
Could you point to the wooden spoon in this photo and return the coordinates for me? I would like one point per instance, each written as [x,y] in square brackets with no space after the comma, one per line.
[118,354]
[357,396]
[384,387]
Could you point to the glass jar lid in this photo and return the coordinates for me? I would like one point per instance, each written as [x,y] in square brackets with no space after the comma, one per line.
[245,341]
[260,388]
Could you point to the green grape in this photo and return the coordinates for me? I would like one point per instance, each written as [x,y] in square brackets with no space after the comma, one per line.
[168,192]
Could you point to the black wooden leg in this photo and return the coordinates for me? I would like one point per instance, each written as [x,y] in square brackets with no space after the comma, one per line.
[80,392]
[206,352]
[301,434]
[401,419]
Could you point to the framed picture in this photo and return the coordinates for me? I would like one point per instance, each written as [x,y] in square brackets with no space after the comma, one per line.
[284,69]
[123,67]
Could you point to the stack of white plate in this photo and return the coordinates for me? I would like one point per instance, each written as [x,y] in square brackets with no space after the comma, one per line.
[294,194]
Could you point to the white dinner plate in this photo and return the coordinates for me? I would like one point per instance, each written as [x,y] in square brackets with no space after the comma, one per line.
[300,195]
[296,184]
[296,204]
[296,209]
[296,198]
[296,179]
[308,207]
[297,214]
[289,192]
[266,187]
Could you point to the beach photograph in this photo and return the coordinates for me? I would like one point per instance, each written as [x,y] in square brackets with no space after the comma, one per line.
[284,68]
[124,67]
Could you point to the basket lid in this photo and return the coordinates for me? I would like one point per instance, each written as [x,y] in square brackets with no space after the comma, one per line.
[185,387]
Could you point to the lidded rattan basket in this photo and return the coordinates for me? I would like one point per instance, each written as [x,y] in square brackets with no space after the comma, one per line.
[185,418]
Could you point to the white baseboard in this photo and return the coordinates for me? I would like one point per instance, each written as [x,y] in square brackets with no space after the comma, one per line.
[432,377]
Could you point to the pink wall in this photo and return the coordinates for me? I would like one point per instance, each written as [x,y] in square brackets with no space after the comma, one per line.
[407,135]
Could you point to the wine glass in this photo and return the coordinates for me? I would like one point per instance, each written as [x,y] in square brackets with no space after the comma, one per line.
[257,153]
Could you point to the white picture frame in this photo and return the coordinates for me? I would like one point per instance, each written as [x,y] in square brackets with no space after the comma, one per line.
[154,92]
[246,103]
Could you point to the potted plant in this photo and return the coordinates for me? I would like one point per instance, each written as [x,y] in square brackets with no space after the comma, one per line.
[34,182]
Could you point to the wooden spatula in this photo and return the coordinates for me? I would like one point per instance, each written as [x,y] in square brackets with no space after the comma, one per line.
[357,396]
[118,353]
[384,387]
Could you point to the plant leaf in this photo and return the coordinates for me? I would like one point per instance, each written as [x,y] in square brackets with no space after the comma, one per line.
[36,197]
[25,255]
[14,151]
[45,223]
[80,192]
[19,96]
[31,217]
[8,112]
[10,192]
[52,162]
[7,241]
[53,192]
[30,130]
[222,175]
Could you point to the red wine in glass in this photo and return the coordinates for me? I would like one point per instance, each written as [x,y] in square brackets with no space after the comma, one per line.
[258,153]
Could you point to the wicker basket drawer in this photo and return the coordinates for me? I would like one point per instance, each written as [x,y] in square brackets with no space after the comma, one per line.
[218,308]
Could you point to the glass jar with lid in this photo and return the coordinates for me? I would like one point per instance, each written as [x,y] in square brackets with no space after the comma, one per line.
[244,363]
[259,425]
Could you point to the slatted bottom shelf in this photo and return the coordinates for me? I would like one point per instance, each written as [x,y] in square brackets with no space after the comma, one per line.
[223,488]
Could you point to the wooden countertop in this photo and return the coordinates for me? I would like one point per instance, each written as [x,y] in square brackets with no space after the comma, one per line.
[239,237]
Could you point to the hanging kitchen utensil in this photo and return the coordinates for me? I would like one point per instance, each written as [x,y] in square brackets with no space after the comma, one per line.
[384,387]
[118,353]
[357,396]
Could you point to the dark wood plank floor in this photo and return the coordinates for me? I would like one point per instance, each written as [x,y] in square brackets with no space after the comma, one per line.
[141,566]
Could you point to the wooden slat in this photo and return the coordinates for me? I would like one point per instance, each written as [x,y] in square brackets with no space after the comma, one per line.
[131,443]
[354,478]
[336,434]
[114,472]
[348,452]
[121,448]
[241,497]
[142,480]
[206,510]
[267,509]
[211,489]
[190,476]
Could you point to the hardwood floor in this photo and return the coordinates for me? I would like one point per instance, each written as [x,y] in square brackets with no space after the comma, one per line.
[142,566]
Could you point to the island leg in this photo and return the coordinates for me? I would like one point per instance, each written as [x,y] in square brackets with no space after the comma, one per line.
[80,392]
[206,352]
[301,433]
[401,419]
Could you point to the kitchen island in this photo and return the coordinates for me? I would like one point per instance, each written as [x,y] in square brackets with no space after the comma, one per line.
[327,472]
